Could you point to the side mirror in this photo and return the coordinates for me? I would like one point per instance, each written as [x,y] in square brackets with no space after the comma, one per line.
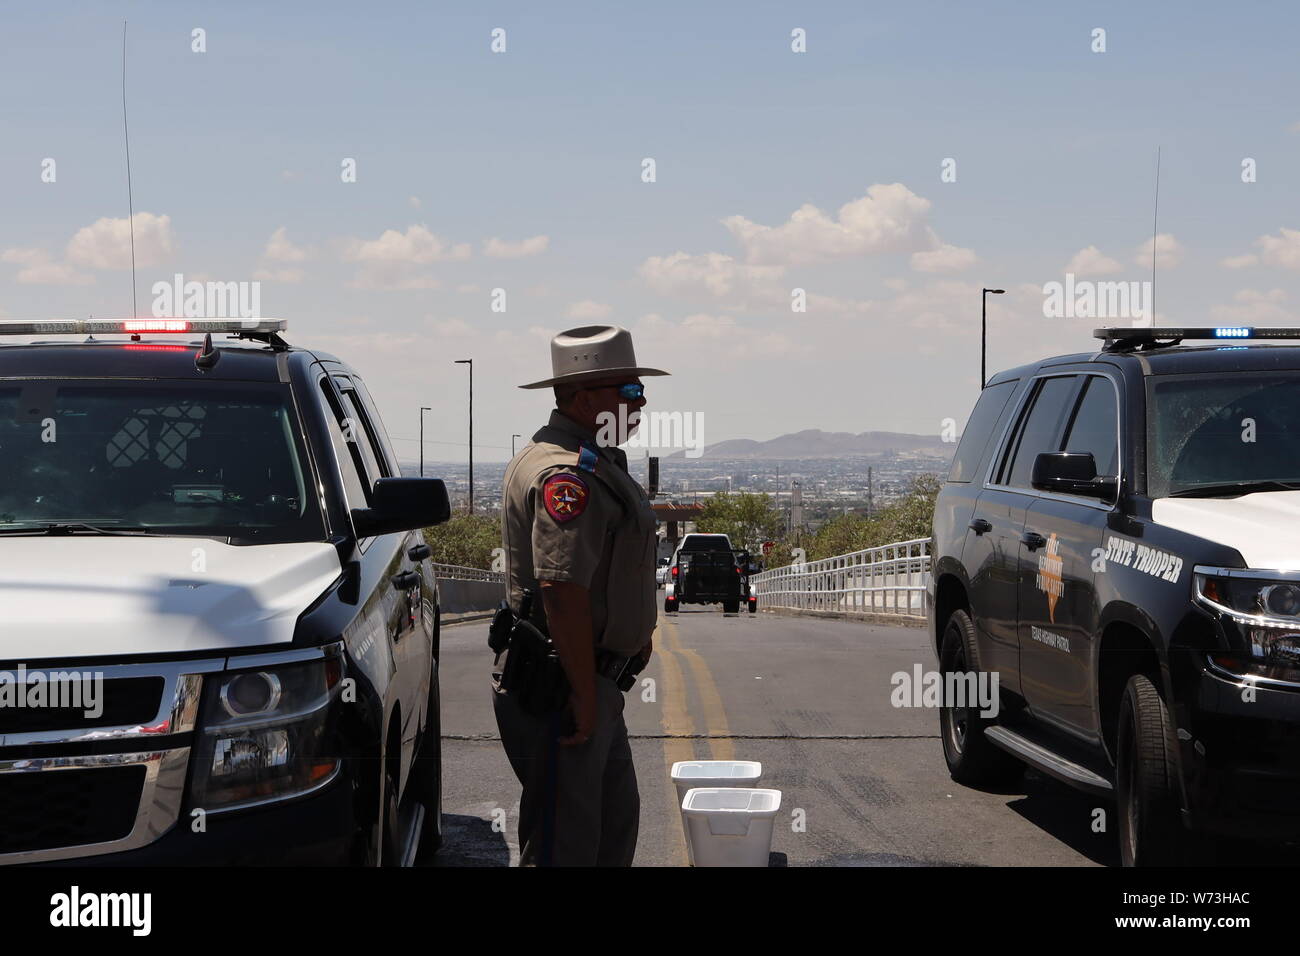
[402,504]
[1071,473]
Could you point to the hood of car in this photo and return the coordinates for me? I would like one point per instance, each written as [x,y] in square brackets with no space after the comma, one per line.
[87,596]
[1264,526]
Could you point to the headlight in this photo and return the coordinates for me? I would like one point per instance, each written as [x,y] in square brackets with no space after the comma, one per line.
[1267,617]
[261,732]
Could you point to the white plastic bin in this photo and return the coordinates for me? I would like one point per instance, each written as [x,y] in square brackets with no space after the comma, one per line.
[689,774]
[730,826]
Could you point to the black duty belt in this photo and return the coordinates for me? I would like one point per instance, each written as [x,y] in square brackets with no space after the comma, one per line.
[608,664]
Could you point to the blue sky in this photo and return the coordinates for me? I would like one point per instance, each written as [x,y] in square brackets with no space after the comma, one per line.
[456,146]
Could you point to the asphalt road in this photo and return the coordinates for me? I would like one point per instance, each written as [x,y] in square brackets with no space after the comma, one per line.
[808,698]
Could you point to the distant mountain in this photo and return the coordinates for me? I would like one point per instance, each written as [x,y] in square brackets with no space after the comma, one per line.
[815,443]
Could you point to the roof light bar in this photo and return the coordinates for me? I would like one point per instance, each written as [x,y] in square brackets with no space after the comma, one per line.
[138,326]
[1123,339]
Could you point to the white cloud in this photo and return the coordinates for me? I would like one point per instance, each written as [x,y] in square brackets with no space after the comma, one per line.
[1253,307]
[1240,262]
[417,246]
[944,259]
[1282,250]
[40,269]
[414,201]
[711,274]
[504,249]
[587,309]
[280,249]
[392,260]
[889,218]
[714,338]
[1169,252]
[278,275]
[1091,261]
[106,243]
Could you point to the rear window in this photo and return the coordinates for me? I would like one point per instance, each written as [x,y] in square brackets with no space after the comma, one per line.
[979,430]
[706,542]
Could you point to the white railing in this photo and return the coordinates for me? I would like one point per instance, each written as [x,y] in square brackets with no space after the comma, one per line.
[456,572]
[890,579]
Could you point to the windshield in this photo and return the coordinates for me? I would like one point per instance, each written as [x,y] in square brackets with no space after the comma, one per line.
[1229,429]
[207,459]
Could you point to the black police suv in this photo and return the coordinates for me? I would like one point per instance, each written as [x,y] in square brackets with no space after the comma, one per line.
[1118,542]
[218,620]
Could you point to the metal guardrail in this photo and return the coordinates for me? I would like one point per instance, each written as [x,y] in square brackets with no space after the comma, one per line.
[890,579]
[456,572]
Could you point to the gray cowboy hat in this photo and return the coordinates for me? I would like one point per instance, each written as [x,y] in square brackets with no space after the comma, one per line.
[593,351]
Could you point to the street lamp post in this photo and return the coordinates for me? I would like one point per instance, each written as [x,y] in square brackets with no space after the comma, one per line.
[423,409]
[984,324]
[470,363]
[512,444]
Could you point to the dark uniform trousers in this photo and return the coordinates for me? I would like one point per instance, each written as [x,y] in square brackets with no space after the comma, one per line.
[580,805]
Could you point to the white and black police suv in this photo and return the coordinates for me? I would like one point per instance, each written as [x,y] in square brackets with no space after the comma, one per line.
[218,620]
[1118,542]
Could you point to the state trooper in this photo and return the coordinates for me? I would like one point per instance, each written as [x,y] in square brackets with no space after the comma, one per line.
[580,530]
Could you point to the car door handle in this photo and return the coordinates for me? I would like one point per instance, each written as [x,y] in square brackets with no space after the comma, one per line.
[405,581]
[981,526]
[1032,540]
[419,552]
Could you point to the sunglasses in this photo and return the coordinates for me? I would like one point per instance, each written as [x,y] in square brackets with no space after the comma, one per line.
[630,392]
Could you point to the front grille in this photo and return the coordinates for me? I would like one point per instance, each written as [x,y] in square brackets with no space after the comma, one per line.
[42,810]
[126,701]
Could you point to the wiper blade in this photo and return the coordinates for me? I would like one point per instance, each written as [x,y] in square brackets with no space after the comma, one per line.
[67,527]
[1235,488]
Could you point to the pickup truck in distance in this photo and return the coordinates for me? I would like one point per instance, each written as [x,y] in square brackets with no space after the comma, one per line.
[212,543]
[1116,543]
[704,571]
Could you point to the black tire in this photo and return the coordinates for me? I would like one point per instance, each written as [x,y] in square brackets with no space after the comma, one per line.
[670,606]
[731,607]
[390,844]
[1150,830]
[972,760]
[753,607]
[429,767]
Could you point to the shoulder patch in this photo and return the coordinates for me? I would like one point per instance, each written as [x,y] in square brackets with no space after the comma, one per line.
[587,459]
[565,496]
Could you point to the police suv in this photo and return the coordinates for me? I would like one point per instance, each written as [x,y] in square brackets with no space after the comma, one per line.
[1118,542]
[218,620]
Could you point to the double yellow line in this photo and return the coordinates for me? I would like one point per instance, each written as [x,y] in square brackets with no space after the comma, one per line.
[678,723]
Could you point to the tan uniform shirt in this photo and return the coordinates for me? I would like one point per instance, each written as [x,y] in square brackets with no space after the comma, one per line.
[571,512]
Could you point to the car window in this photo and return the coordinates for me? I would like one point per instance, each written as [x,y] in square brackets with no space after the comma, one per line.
[1040,428]
[1095,425]
[372,458]
[979,429]
[345,434]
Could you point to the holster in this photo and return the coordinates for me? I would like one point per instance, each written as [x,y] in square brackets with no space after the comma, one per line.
[533,675]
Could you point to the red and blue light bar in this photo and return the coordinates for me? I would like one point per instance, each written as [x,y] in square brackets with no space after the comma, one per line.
[141,326]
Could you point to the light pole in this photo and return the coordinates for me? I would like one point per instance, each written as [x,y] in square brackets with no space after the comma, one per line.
[512,444]
[423,409]
[984,324]
[470,363]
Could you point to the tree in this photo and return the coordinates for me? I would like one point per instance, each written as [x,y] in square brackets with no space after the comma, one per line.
[747,519]
[905,520]
[466,540]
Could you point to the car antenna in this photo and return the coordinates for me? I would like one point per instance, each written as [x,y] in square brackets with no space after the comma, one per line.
[1155,222]
[209,355]
[130,198]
